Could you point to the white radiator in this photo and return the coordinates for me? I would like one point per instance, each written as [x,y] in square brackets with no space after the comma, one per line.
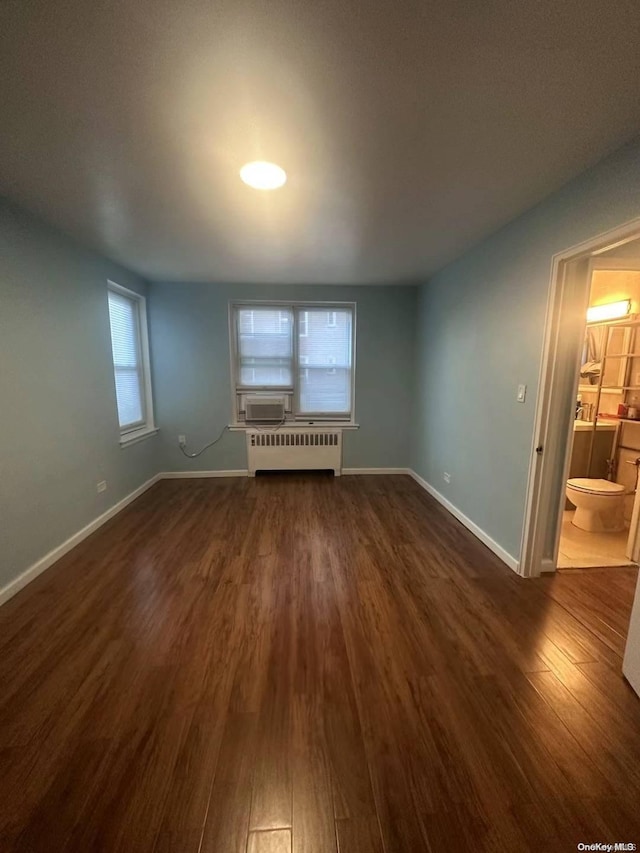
[293,450]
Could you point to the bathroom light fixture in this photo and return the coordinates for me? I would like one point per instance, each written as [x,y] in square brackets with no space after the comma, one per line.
[610,311]
[262,175]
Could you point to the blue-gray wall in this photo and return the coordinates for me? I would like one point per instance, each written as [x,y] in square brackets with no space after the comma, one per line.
[58,419]
[480,330]
[437,369]
[190,342]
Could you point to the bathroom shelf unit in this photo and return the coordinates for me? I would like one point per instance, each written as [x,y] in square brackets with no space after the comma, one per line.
[629,346]
[591,389]
[615,324]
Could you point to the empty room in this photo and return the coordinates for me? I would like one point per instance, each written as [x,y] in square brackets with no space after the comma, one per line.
[319,406]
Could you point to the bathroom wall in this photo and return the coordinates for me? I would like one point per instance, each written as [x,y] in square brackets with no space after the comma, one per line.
[614,372]
[612,286]
[615,285]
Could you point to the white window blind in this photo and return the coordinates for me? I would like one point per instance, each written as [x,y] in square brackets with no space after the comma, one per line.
[265,347]
[124,317]
[324,384]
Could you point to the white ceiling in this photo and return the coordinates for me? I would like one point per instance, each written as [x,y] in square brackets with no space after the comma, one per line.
[409,130]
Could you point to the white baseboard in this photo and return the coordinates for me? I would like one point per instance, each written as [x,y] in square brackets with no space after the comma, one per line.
[53,556]
[478,532]
[243,472]
[348,471]
[199,475]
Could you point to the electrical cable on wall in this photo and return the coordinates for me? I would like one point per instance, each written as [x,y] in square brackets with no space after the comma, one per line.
[183,447]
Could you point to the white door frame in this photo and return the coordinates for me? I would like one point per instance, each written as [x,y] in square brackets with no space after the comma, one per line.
[567,303]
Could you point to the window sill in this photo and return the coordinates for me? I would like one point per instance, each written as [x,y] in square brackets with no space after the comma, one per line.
[294,425]
[130,438]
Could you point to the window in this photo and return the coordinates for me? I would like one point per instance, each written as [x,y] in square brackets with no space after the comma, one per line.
[283,321]
[304,352]
[303,360]
[325,385]
[130,350]
[264,348]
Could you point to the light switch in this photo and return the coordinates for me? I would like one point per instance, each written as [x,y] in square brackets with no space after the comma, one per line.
[522,393]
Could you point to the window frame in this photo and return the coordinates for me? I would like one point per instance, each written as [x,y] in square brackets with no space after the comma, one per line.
[132,433]
[293,390]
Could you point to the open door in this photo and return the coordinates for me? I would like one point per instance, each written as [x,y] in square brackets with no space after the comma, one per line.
[633,542]
[631,662]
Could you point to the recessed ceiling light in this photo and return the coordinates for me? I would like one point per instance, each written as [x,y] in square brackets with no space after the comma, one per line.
[262,175]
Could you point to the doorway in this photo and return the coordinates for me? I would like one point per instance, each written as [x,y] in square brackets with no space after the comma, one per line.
[595,524]
[565,368]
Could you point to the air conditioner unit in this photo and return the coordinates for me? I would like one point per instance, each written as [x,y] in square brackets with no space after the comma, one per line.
[260,410]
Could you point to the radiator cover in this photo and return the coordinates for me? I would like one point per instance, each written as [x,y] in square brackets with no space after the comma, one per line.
[294,450]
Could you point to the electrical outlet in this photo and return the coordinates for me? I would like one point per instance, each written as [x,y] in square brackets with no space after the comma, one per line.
[446,477]
[101,486]
[182,440]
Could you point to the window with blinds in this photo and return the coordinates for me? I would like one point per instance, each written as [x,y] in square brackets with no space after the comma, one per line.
[304,351]
[265,347]
[126,317]
[324,385]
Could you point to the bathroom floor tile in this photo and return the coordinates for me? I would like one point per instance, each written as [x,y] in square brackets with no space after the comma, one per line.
[579,549]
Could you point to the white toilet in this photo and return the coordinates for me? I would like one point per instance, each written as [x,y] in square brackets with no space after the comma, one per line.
[599,504]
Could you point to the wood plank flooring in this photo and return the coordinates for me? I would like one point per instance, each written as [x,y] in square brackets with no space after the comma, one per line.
[302,663]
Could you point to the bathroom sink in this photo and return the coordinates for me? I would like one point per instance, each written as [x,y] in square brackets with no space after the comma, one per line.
[579,426]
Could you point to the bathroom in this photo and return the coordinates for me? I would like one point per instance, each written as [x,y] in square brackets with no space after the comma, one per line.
[599,508]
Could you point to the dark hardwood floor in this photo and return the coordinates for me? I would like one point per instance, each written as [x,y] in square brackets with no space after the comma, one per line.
[297,663]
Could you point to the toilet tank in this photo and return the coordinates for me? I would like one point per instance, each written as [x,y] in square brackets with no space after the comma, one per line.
[602,452]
